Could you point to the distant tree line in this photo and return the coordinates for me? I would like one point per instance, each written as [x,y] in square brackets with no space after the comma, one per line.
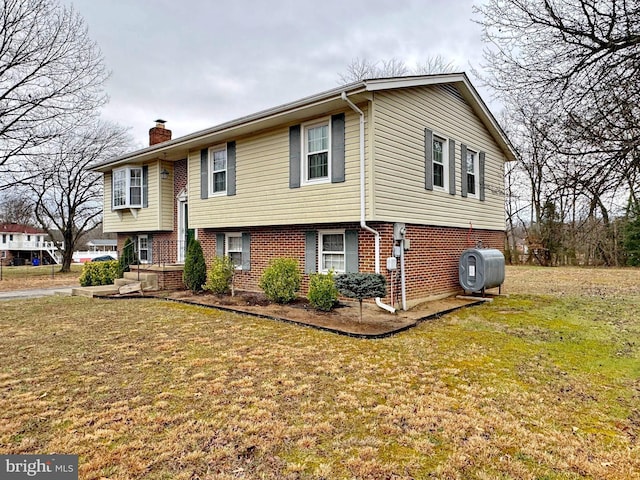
[567,72]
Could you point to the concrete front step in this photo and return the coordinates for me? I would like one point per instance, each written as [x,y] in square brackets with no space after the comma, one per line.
[93,291]
[150,280]
[121,282]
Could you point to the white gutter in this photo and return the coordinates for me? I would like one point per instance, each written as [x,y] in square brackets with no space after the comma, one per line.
[363,223]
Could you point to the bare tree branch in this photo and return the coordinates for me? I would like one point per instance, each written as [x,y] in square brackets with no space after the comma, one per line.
[67,195]
[51,74]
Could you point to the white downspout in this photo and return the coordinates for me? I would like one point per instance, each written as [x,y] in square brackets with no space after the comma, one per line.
[363,223]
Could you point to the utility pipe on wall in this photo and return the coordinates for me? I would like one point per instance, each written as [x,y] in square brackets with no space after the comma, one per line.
[363,223]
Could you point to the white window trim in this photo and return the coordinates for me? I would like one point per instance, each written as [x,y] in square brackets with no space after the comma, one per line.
[127,190]
[227,236]
[320,251]
[148,249]
[476,172]
[304,167]
[4,254]
[445,164]
[212,150]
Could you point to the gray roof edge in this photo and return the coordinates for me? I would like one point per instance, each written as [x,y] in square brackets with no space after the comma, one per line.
[351,87]
[362,85]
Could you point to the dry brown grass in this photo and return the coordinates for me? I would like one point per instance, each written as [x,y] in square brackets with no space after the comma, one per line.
[533,387]
[21,278]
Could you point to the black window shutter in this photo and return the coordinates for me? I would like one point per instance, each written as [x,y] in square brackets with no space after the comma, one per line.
[294,156]
[145,186]
[219,244]
[428,159]
[351,251]
[246,251]
[310,251]
[452,167]
[463,169]
[481,162]
[231,168]
[113,200]
[204,173]
[337,148]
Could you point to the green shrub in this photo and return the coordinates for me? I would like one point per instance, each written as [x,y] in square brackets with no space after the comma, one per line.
[281,280]
[361,286]
[194,275]
[323,294]
[99,273]
[220,276]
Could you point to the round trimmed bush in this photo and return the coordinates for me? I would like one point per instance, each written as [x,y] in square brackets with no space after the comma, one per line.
[323,294]
[281,280]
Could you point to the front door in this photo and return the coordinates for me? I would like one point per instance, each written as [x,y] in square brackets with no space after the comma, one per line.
[183,226]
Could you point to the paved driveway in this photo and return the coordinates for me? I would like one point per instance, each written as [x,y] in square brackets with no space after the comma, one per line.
[35,292]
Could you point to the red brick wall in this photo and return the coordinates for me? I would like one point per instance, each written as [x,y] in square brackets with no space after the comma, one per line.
[431,262]
[267,243]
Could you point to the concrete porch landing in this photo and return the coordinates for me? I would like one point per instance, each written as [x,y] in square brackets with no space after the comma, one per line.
[131,281]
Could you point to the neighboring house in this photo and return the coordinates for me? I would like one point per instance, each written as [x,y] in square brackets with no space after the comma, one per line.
[99,247]
[326,180]
[22,244]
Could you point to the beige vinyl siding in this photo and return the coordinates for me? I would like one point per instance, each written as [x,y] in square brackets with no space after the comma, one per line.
[263,196]
[167,200]
[156,217]
[400,117]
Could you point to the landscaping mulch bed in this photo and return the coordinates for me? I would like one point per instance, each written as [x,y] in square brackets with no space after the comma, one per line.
[344,318]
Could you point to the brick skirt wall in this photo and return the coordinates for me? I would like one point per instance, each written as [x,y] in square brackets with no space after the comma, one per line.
[431,263]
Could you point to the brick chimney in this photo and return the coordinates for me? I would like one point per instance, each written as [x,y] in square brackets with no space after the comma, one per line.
[159,134]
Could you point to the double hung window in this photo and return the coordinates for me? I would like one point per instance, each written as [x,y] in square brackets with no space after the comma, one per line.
[234,249]
[144,249]
[218,169]
[440,171]
[127,187]
[316,152]
[472,169]
[331,251]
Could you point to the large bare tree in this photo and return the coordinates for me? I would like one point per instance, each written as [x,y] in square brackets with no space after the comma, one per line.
[51,72]
[66,193]
[580,61]
[569,69]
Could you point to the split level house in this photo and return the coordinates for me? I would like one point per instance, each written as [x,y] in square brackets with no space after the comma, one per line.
[394,175]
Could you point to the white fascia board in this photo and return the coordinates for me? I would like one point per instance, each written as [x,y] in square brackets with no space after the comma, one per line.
[416,81]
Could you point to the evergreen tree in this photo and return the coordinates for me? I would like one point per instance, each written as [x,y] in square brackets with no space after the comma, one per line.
[632,236]
[195,268]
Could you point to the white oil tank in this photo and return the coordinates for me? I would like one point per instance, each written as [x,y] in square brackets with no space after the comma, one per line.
[481,268]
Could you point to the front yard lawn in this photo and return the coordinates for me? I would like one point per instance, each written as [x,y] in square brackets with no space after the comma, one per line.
[543,387]
[43,276]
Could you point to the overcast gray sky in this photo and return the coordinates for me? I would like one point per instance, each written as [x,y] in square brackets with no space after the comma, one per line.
[198,63]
